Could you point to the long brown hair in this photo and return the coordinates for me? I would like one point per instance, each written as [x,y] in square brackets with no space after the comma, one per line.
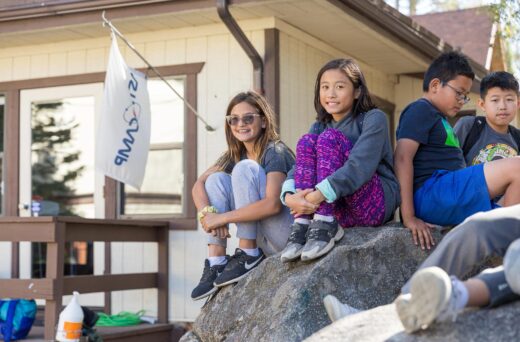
[237,148]
[351,69]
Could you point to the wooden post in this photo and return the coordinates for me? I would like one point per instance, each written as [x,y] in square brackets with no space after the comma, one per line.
[162,290]
[54,270]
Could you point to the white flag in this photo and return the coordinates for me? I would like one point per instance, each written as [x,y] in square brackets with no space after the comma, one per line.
[124,127]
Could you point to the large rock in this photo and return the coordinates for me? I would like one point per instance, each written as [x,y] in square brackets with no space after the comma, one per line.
[283,302]
[382,324]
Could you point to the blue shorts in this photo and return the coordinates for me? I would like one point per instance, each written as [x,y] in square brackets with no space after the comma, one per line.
[449,197]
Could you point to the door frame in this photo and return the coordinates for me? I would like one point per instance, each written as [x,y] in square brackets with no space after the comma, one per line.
[27,97]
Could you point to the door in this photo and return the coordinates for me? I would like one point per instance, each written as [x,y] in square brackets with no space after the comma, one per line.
[57,175]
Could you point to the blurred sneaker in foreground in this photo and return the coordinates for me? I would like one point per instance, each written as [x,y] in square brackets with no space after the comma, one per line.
[336,309]
[433,297]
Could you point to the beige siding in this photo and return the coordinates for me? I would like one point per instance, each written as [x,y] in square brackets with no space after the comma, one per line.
[407,90]
[227,70]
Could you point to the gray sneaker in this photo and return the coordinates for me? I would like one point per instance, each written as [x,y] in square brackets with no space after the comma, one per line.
[512,266]
[295,243]
[321,238]
[432,298]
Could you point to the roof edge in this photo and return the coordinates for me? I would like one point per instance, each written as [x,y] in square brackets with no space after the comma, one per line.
[397,26]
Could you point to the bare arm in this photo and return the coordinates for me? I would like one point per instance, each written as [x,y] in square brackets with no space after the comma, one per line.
[200,197]
[404,154]
[268,206]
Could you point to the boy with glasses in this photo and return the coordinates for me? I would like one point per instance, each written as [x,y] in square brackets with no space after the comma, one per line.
[436,186]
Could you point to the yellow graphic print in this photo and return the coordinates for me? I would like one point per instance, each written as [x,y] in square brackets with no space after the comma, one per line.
[493,152]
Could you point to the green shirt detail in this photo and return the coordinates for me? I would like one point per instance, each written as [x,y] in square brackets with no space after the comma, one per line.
[451,138]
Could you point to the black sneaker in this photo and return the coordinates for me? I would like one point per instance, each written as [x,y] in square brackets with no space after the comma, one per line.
[321,238]
[206,287]
[238,267]
[295,243]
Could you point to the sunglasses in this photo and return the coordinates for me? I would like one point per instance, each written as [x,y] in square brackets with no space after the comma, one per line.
[247,119]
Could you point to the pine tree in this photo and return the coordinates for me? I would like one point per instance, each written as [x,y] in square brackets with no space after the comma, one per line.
[53,170]
[53,167]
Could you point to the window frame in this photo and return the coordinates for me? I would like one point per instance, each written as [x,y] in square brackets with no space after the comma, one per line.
[188,207]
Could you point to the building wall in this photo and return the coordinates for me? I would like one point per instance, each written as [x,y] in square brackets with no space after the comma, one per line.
[227,71]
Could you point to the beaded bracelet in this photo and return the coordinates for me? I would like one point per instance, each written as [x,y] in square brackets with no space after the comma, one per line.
[206,209]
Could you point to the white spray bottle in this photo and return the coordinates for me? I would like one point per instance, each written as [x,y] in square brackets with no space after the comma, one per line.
[71,321]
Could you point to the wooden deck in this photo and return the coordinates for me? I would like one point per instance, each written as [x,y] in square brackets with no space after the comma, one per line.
[55,231]
[137,333]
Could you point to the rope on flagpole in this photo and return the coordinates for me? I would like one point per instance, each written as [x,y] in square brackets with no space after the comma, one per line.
[123,38]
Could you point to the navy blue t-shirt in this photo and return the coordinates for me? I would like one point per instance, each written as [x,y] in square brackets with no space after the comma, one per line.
[439,147]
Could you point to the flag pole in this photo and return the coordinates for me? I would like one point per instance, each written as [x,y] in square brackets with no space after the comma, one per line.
[154,69]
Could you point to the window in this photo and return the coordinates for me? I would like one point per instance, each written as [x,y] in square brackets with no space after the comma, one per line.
[164,181]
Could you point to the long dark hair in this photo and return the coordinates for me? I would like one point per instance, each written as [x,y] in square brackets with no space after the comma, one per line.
[351,69]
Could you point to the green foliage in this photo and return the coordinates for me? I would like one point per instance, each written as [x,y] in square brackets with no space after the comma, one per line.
[507,12]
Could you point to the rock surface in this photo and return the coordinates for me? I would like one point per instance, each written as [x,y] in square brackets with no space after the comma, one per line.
[382,324]
[283,302]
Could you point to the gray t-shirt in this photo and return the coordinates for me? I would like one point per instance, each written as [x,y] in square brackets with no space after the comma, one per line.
[490,145]
[277,158]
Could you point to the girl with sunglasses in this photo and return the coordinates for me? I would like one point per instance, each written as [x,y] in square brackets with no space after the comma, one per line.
[243,188]
[344,166]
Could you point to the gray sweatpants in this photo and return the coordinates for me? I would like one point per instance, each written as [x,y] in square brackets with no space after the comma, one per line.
[480,236]
[246,185]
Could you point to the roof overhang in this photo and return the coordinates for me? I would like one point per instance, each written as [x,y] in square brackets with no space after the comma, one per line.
[368,30]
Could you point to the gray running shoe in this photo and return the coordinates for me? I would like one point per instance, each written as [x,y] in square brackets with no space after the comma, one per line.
[512,266]
[432,298]
[321,238]
[295,243]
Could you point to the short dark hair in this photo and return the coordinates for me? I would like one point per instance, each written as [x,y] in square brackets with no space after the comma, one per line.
[500,79]
[447,67]
[352,70]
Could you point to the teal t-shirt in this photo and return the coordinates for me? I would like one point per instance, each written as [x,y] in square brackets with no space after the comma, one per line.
[439,147]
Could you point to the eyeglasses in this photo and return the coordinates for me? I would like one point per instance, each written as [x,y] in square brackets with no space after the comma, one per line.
[458,94]
[247,119]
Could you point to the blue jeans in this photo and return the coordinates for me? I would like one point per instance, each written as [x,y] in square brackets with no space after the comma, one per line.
[246,185]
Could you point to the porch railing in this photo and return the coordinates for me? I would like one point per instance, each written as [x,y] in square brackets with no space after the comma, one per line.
[55,231]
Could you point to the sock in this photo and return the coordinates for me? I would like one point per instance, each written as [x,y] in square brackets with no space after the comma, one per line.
[302,221]
[463,295]
[323,218]
[251,251]
[217,260]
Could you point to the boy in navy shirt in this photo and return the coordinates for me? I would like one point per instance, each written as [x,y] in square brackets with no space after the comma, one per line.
[436,188]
